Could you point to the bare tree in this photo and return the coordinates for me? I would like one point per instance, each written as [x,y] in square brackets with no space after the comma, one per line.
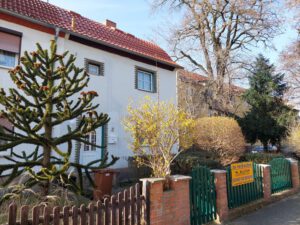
[214,34]
[290,57]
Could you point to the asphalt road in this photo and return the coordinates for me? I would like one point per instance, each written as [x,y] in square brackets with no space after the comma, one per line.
[284,212]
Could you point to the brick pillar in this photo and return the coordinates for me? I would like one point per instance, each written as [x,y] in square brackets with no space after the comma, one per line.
[266,181]
[294,173]
[170,206]
[221,193]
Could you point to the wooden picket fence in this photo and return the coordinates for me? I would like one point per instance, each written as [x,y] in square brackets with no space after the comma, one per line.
[127,207]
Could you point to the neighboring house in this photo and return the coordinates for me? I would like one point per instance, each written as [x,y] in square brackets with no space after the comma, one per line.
[122,67]
[195,95]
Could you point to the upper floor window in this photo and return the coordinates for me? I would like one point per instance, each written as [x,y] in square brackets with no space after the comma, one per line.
[145,80]
[94,68]
[9,47]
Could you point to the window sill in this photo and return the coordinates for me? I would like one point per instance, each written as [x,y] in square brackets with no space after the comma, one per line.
[99,75]
[6,67]
[145,91]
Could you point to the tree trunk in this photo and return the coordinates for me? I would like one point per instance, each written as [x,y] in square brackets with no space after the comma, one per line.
[47,148]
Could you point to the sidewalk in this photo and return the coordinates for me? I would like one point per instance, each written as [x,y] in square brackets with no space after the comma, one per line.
[284,212]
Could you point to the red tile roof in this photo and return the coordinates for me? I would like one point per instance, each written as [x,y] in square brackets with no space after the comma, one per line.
[51,14]
[195,77]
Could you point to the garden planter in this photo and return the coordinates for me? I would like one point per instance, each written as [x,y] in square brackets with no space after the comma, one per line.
[103,183]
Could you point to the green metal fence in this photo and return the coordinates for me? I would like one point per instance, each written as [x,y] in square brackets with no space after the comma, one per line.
[280,175]
[202,196]
[243,194]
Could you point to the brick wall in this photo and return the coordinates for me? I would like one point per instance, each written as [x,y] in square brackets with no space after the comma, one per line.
[169,206]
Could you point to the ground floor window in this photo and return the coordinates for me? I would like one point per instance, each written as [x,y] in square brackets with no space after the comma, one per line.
[91,138]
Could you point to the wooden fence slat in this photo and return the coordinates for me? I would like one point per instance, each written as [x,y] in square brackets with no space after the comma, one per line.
[132,205]
[35,215]
[138,203]
[107,212]
[99,213]
[126,208]
[120,208]
[74,215]
[66,215]
[113,209]
[24,215]
[12,214]
[83,215]
[56,215]
[91,214]
[46,216]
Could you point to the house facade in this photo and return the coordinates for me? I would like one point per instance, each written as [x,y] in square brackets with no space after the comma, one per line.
[122,67]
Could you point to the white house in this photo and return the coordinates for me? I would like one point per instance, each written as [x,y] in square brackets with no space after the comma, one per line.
[122,66]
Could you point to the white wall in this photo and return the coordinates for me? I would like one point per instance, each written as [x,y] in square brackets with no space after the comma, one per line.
[115,88]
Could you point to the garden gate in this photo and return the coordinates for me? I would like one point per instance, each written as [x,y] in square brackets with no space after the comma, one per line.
[280,174]
[202,196]
[242,194]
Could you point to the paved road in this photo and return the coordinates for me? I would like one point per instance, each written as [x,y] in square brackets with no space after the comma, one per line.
[284,212]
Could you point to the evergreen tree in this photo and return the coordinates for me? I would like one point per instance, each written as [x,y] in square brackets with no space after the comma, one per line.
[269,117]
[47,84]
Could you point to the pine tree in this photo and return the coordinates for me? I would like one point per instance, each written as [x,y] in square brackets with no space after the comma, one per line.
[269,117]
[44,98]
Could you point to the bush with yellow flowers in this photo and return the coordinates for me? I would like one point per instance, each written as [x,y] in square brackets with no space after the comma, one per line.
[156,128]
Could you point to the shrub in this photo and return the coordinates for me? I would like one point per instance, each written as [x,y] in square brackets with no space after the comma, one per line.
[222,136]
[155,128]
[192,158]
[263,158]
[293,140]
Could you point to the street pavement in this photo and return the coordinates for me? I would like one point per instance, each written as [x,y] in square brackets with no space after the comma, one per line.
[284,212]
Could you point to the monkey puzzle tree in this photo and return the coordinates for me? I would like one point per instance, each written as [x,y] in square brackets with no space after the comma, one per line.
[45,98]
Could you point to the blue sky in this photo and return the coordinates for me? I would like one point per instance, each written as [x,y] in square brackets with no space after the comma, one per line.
[137,17]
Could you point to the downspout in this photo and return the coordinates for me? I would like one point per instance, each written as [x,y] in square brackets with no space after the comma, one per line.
[77,144]
[56,29]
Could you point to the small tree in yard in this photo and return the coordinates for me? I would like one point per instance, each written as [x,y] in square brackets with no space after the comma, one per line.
[269,117]
[47,83]
[222,136]
[155,129]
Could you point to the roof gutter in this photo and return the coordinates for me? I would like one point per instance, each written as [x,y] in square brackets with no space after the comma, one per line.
[58,29]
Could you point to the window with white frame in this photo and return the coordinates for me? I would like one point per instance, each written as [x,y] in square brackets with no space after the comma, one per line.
[145,80]
[7,59]
[94,68]
[90,138]
[9,47]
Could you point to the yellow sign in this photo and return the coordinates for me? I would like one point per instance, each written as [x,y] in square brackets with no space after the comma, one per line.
[241,173]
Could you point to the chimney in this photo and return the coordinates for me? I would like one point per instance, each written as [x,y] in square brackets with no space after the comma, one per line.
[110,24]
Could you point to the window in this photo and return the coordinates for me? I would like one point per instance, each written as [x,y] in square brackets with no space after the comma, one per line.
[7,59]
[91,138]
[145,80]
[94,68]
[9,47]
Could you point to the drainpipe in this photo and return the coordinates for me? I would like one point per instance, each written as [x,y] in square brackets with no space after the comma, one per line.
[56,33]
